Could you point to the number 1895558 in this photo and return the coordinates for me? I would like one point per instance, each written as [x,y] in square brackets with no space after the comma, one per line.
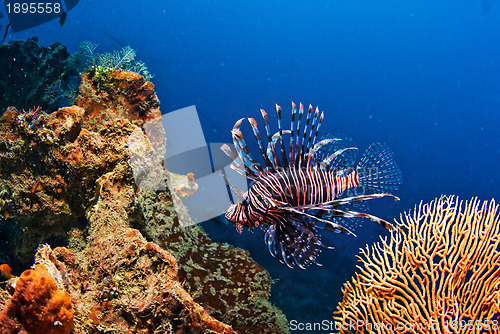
[33,8]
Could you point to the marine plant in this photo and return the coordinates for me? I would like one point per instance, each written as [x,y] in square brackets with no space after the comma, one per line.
[117,60]
[61,93]
[440,273]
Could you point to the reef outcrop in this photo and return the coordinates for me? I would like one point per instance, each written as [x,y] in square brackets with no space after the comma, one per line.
[49,162]
[117,251]
[108,94]
[222,278]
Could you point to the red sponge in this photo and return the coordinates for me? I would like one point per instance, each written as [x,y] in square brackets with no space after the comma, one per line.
[38,305]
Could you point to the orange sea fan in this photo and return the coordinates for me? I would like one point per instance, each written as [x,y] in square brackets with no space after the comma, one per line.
[440,273]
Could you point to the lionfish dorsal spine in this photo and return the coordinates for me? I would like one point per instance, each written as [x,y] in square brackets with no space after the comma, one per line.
[313,126]
[252,167]
[272,146]
[271,151]
[292,123]
[321,117]
[284,160]
[227,150]
[312,138]
[304,136]
[235,165]
[256,133]
[297,143]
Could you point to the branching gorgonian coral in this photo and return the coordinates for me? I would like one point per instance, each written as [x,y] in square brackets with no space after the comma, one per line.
[439,274]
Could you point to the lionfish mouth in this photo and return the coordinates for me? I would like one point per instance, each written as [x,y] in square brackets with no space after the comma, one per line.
[230,214]
[237,214]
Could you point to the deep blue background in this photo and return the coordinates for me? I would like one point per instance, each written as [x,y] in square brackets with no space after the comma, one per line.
[421,76]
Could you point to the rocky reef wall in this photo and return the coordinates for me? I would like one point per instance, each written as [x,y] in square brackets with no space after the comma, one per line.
[116,250]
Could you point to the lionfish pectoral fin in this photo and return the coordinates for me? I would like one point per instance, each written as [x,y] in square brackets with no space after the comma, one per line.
[294,241]
[331,226]
[333,208]
[252,167]
[346,200]
[355,214]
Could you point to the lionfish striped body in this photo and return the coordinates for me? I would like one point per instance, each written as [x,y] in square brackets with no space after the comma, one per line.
[307,187]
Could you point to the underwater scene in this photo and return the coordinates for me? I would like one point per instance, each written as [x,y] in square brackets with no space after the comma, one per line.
[249,167]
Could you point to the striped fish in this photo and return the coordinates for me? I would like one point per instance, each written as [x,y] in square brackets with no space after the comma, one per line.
[308,185]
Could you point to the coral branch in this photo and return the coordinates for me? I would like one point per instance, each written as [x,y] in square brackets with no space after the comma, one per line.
[440,274]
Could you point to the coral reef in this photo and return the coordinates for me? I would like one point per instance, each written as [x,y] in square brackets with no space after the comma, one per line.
[107,94]
[37,305]
[66,178]
[49,162]
[129,284]
[35,75]
[223,279]
[184,185]
[49,76]
[439,274]
[49,170]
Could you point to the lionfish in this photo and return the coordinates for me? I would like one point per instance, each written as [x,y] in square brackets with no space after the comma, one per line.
[313,185]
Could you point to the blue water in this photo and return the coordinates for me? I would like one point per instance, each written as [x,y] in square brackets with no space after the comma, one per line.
[421,76]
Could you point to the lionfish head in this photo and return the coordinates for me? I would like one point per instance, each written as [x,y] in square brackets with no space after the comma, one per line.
[237,213]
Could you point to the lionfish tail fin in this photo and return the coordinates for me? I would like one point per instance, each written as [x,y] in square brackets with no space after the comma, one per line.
[378,170]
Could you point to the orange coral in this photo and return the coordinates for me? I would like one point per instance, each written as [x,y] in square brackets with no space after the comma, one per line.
[439,274]
[37,305]
[5,271]
[184,185]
